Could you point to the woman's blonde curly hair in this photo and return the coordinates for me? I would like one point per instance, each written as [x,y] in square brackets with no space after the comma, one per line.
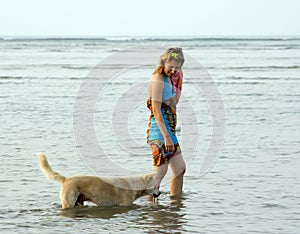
[170,54]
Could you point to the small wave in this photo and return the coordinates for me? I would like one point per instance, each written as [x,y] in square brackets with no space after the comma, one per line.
[4,78]
[274,205]
[260,78]
[216,213]
[76,67]
[262,67]
[22,211]
[56,50]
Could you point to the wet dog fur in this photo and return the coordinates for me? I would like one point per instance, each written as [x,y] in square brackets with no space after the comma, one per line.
[106,191]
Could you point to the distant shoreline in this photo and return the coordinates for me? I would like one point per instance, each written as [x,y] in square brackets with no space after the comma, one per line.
[152,38]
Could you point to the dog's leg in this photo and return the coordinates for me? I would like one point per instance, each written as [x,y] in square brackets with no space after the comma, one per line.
[80,200]
[65,204]
[68,198]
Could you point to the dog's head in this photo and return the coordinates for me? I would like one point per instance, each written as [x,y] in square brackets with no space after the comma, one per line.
[156,192]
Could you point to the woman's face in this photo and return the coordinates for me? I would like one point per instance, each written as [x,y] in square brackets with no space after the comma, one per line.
[171,67]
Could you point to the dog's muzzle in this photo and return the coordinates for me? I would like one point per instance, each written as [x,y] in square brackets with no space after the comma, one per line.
[156,192]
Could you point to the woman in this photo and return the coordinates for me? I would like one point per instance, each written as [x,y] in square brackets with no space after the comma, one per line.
[164,92]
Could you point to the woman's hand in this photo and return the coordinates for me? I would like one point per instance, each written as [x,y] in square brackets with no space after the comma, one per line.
[169,145]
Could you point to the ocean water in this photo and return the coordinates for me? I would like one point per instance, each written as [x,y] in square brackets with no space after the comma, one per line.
[252,187]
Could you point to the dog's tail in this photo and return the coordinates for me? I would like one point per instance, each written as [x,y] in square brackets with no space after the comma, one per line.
[45,167]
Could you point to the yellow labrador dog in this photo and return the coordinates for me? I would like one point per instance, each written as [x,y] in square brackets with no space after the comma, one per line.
[108,191]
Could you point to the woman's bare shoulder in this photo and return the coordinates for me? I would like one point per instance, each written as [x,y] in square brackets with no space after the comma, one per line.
[157,77]
[156,85]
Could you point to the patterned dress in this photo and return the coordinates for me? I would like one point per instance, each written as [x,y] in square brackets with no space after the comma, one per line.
[154,136]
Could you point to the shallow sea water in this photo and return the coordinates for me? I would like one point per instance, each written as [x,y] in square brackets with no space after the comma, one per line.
[252,188]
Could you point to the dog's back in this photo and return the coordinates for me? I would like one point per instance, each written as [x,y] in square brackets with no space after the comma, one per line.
[45,167]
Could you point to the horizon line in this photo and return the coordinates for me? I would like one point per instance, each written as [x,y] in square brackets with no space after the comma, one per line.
[146,37]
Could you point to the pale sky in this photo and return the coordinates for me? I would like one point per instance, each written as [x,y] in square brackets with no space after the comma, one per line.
[149,18]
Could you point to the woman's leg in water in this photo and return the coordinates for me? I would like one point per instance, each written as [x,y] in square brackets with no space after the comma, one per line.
[178,167]
[160,173]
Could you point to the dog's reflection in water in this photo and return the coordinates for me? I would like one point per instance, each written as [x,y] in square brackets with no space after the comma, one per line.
[106,212]
[96,211]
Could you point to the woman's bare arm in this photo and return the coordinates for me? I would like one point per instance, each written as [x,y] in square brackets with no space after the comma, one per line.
[156,87]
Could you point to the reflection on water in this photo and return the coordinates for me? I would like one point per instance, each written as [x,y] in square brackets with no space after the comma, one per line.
[96,212]
[165,216]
